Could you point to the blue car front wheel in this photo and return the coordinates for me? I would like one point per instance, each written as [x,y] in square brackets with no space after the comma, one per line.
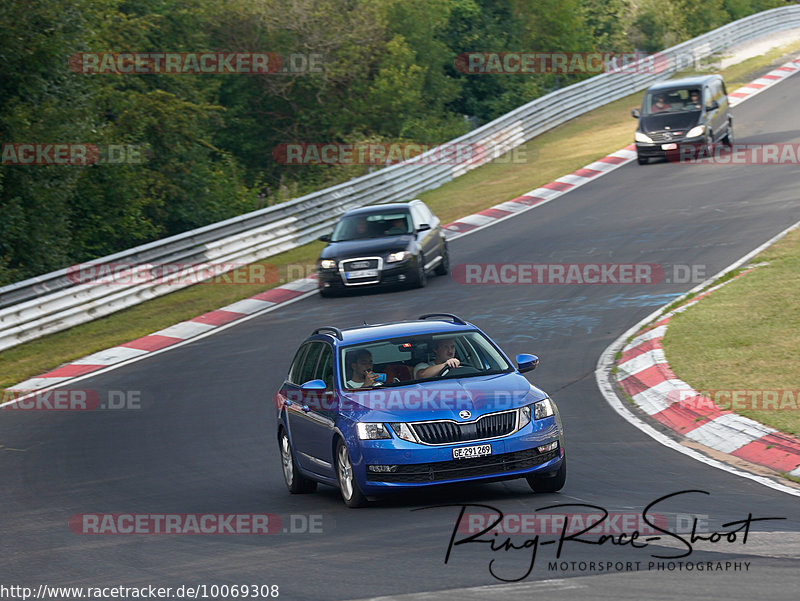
[351,493]
[551,483]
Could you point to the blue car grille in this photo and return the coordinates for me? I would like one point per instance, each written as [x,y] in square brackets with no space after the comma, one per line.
[446,432]
[441,471]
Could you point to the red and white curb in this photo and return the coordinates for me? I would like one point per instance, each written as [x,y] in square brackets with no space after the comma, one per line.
[764,82]
[541,195]
[171,336]
[649,341]
[208,323]
[645,375]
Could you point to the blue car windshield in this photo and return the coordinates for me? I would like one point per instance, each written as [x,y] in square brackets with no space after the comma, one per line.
[400,361]
[375,225]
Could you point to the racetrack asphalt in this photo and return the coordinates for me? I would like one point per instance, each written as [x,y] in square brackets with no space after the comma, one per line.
[203,439]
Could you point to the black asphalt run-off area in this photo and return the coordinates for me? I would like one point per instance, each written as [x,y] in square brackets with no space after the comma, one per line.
[204,438]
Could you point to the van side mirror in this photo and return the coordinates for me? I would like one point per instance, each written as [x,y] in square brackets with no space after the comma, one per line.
[325,238]
[635,113]
[423,227]
[712,106]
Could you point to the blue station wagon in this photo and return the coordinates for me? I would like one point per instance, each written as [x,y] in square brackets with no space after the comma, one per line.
[379,408]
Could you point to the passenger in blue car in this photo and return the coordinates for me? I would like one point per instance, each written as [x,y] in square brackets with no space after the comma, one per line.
[444,356]
[359,367]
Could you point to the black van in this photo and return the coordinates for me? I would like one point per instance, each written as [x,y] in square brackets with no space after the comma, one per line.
[693,110]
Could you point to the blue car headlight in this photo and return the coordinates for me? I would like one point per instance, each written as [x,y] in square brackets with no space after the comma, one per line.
[524,416]
[542,409]
[403,431]
[372,431]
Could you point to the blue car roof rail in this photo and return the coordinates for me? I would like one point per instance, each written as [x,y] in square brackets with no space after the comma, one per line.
[328,329]
[453,318]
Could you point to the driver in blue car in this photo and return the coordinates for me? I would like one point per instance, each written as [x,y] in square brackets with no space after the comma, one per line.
[444,351]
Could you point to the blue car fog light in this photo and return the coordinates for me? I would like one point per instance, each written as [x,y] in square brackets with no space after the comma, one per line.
[382,468]
[547,447]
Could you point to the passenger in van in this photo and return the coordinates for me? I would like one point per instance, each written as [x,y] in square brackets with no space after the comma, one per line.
[660,105]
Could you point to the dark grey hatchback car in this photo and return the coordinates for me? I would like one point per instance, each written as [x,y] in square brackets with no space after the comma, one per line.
[682,112]
[376,245]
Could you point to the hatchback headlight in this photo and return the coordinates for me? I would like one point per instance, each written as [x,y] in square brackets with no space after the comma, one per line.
[327,264]
[398,256]
[642,137]
[543,409]
[372,431]
[697,130]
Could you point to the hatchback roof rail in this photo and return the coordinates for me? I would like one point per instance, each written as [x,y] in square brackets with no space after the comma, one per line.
[328,329]
[453,318]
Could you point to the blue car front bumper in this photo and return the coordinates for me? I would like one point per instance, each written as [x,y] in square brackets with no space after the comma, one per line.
[411,465]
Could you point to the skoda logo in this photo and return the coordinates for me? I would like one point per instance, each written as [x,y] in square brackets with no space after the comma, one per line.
[464,414]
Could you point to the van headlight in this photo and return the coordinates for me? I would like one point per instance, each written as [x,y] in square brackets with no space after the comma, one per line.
[642,137]
[697,130]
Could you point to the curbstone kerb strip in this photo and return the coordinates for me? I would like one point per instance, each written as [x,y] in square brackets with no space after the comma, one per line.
[645,375]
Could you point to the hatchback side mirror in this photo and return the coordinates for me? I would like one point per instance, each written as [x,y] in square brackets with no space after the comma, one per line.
[635,113]
[527,362]
[423,227]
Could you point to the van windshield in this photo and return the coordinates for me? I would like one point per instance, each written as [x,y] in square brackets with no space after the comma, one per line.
[672,101]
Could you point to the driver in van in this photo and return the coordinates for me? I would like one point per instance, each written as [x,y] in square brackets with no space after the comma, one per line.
[444,351]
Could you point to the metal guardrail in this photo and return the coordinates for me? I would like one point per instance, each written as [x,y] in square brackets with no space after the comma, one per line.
[55,301]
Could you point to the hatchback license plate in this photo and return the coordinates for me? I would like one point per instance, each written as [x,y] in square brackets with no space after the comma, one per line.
[362,273]
[476,451]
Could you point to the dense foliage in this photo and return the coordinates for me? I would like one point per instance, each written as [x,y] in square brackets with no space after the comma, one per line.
[207,141]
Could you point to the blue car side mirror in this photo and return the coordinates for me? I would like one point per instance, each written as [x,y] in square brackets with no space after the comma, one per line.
[313,385]
[526,362]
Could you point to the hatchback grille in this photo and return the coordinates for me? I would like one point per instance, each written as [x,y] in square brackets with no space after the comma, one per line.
[440,471]
[358,264]
[446,432]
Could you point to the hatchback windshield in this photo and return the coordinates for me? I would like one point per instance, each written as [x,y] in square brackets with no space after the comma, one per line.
[399,361]
[377,225]
[672,101]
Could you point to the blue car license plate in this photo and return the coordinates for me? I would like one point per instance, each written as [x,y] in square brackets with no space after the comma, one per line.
[476,451]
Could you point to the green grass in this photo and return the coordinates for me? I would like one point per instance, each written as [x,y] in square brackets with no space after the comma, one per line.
[745,336]
[551,155]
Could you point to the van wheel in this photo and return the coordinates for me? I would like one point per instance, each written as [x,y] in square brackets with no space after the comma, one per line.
[729,135]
